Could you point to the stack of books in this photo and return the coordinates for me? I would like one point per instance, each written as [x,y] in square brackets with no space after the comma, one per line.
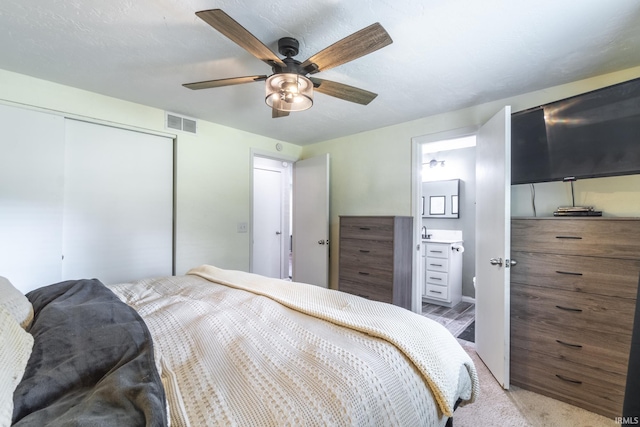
[576,211]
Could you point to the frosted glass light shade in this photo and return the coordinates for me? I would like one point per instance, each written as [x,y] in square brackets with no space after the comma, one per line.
[289,92]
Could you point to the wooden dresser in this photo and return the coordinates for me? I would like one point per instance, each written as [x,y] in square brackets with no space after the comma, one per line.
[573,298]
[376,258]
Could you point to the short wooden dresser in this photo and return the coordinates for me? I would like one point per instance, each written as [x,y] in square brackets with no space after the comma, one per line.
[573,297]
[375,258]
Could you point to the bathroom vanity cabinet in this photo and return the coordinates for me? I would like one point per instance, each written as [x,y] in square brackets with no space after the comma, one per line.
[442,282]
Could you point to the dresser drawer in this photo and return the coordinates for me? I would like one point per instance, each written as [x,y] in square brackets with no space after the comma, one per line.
[438,250]
[368,228]
[369,274]
[603,276]
[437,278]
[437,292]
[600,237]
[367,252]
[562,309]
[590,388]
[365,290]
[437,264]
[606,351]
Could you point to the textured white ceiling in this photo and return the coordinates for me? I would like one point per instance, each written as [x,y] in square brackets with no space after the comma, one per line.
[446,54]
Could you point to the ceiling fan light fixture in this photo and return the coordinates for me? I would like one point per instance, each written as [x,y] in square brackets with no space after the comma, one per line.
[289,92]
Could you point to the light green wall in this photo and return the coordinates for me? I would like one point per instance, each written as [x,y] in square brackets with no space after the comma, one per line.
[371,171]
[616,196]
[213,167]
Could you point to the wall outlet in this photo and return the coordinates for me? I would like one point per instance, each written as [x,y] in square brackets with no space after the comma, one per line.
[243,227]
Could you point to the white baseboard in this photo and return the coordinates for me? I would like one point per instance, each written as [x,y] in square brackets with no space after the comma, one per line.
[469,299]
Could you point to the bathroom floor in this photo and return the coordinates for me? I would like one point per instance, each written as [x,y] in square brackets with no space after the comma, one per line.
[456,319]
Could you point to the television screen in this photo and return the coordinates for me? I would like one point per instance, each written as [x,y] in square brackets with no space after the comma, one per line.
[590,135]
[530,160]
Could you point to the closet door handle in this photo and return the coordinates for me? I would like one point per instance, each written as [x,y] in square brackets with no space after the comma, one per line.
[576,310]
[569,344]
[569,380]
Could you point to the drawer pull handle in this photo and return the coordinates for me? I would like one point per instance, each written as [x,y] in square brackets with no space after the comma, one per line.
[364,273]
[569,273]
[569,344]
[436,292]
[435,278]
[436,265]
[577,310]
[365,228]
[569,237]
[436,252]
[569,380]
[364,251]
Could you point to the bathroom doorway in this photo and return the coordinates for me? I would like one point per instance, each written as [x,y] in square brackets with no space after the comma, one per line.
[443,159]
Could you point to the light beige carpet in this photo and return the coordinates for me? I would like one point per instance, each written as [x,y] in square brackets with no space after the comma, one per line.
[519,408]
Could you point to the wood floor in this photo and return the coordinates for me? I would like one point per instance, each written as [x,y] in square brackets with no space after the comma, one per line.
[455,319]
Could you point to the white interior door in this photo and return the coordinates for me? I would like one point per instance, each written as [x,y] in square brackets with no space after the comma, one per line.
[118,204]
[311,221]
[267,222]
[493,235]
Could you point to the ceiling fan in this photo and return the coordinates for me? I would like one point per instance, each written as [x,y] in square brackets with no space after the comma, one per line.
[289,88]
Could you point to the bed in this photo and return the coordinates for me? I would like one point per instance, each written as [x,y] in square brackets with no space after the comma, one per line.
[223,347]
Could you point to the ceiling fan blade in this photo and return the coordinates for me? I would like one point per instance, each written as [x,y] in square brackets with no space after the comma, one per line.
[223,82]
[342,91]
[358,44]
[277,113]
[238,34]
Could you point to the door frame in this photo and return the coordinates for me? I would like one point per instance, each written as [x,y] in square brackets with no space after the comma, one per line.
[417,142]
[256,152]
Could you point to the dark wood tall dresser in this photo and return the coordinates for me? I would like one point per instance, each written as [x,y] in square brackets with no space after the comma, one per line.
[573,299]
[376,258]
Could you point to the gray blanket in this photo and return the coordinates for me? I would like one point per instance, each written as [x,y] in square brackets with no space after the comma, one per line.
[92,362]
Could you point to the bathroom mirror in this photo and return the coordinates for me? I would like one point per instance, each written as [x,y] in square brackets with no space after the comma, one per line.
[440,199]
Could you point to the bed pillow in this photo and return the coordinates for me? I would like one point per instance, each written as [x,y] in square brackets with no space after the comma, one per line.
[14,354]
[15,303]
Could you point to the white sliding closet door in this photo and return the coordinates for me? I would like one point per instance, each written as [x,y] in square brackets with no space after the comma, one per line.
[31,190]
[118,204]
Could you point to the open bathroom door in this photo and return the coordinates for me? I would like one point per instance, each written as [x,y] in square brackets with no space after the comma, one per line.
[493,244]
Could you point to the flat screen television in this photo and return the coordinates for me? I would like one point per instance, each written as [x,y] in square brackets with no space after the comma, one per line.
[594,134]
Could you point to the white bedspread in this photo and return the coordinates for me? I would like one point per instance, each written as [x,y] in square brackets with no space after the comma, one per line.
[287,353]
